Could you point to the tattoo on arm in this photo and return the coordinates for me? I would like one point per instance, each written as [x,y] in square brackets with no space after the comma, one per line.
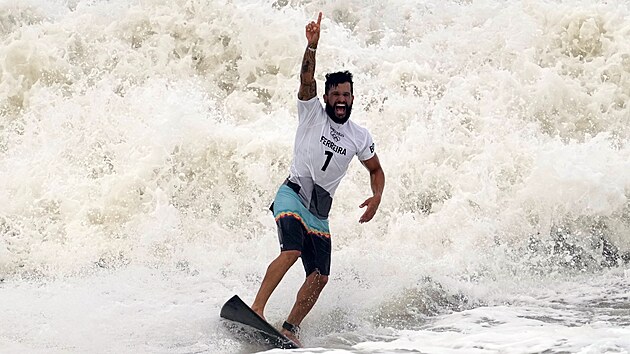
[308,85]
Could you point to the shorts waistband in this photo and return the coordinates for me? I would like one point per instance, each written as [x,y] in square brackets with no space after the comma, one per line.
[294,186]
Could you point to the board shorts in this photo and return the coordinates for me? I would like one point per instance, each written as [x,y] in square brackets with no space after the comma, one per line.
[300,230]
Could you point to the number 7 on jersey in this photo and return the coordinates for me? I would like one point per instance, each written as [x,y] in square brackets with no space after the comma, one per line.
[329,156]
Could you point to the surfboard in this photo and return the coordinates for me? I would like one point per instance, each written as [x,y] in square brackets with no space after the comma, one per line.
[238,312]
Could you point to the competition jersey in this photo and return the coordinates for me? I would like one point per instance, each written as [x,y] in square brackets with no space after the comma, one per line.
[322,153]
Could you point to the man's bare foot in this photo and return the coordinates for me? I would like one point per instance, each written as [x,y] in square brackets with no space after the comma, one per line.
[259,312]
[291,336]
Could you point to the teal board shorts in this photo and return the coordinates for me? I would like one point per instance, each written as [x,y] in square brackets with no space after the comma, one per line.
[300,230]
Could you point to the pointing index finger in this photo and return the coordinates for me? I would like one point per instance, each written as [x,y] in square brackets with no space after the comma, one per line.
[319,18]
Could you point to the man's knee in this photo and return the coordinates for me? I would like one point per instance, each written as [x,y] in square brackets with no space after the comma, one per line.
[318,279]
[289,256]
[322,280]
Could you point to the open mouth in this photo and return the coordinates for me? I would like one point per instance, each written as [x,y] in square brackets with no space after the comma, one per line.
[340,109]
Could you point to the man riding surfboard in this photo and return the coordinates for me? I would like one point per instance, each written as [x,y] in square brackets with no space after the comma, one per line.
[325,143]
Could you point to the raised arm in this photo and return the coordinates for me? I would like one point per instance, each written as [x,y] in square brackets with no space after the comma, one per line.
[308,86]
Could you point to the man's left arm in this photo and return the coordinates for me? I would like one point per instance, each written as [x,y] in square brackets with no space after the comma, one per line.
[377,182]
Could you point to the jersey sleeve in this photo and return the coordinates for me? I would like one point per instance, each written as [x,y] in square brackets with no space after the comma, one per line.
[308,110]
[366,151]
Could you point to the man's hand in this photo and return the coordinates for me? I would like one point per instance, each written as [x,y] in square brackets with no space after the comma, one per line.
[312,32]
[372,204]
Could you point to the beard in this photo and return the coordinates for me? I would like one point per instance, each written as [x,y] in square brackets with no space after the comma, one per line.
[330,110]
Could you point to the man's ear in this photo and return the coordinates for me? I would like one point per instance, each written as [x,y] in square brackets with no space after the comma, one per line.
[325,98]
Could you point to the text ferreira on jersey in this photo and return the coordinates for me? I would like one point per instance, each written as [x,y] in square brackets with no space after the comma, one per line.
[335,148]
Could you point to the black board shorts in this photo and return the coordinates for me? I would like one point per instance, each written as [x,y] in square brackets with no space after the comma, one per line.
[299,230]
[315,250]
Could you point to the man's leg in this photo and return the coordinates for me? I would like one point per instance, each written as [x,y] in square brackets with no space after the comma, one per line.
[306,298]
[275,272]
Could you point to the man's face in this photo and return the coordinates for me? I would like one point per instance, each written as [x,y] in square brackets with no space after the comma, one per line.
[339,102]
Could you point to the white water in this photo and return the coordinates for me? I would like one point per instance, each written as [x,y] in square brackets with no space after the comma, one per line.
[142,141]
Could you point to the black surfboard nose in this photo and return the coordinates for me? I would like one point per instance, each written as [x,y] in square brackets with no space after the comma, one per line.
[237,311]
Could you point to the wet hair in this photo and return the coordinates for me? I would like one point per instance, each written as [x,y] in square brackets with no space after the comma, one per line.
[334,79]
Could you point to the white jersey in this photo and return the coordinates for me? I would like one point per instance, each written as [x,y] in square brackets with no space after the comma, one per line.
[322,153]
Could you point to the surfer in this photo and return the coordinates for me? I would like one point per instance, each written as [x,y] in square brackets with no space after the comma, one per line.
[325,143]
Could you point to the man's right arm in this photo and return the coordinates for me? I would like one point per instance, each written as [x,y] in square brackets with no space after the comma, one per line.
[308,85]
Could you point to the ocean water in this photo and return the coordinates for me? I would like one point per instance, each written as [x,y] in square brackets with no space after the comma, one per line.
[141,142]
